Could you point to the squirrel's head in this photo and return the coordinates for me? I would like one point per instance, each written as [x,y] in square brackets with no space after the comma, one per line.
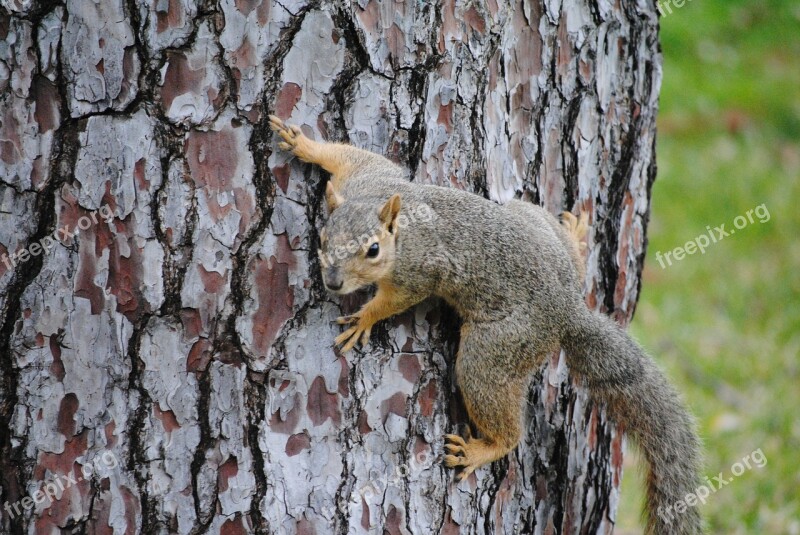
[358,242]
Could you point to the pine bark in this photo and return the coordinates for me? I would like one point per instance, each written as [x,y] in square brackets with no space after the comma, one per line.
[174,354]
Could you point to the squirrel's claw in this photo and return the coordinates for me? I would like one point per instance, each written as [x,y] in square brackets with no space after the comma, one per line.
[365,337]
[463,455]
[452,461]
[276,124]
[352,336]
[294,140]
[453,448]
[358,332]
[345,338]
[454,445]
[289,133]
[464,468]
[455,439]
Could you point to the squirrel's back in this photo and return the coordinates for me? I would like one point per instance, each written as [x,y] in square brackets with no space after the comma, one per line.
[484,257]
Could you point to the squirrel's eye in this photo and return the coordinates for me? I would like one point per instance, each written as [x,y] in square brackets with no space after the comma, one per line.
[373,250]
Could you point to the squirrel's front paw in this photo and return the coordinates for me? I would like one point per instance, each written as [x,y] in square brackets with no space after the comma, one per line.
[360,331]
[294,140]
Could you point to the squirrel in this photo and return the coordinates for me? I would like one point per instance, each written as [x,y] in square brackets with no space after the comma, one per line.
[514,275]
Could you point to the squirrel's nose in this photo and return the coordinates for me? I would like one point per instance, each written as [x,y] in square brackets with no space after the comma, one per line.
[333,279]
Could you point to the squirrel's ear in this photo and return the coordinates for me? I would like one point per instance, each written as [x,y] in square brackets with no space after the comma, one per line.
[389,211]
[332,198]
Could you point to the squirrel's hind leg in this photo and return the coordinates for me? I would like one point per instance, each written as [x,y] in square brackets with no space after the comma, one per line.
[493,399]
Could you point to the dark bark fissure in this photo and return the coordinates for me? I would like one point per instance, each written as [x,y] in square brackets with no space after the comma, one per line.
[609,239]
[203,518]
[16,468]
[137,459]
[569,153]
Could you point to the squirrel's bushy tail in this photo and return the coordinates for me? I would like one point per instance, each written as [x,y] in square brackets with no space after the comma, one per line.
[618,373]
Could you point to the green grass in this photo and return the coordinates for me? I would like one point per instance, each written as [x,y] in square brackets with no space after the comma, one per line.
[725,325]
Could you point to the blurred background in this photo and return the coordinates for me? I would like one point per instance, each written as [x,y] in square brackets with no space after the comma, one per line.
[725,324]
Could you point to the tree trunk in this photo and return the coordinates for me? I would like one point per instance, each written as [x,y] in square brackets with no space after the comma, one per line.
[165,339]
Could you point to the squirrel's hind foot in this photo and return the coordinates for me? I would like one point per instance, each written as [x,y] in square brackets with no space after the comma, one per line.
[577,227]
[467,455]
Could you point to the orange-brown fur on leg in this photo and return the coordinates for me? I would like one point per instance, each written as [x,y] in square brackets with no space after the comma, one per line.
[493,400]
[338,159]
[472,453]
[386,303]
[500,432]
[469,455]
